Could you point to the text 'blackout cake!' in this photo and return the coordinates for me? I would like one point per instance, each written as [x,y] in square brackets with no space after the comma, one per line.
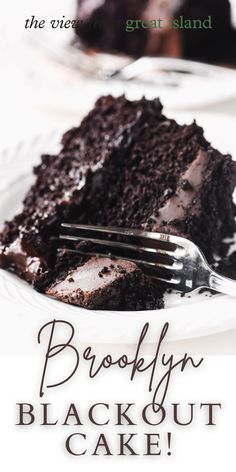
[126,165]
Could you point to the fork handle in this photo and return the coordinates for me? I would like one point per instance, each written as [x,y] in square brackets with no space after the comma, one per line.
[222,284]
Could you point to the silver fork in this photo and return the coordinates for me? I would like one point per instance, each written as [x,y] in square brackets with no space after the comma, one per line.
[176,261]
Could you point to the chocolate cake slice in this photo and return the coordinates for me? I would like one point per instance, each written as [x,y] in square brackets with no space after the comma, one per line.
[126,165]
[102,26]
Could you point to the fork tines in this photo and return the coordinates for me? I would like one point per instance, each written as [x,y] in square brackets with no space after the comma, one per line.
[159,254]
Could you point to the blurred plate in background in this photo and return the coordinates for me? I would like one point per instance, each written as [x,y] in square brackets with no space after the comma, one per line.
[182,84]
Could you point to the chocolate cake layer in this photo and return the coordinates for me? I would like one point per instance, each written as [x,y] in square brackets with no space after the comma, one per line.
[104,284]
[126,165]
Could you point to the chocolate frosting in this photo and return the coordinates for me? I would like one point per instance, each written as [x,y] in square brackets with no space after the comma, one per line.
[186,196]
[19,255]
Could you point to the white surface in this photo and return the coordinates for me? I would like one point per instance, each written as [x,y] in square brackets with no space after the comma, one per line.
[194,447]
[193,317]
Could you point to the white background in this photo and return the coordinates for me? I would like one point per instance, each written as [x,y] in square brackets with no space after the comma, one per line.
[193,447]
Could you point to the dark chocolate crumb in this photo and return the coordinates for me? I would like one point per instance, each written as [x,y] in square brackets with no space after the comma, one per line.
[104,271]
[185,185]
[121,270]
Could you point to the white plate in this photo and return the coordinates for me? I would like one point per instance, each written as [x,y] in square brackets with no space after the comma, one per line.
[197,316]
